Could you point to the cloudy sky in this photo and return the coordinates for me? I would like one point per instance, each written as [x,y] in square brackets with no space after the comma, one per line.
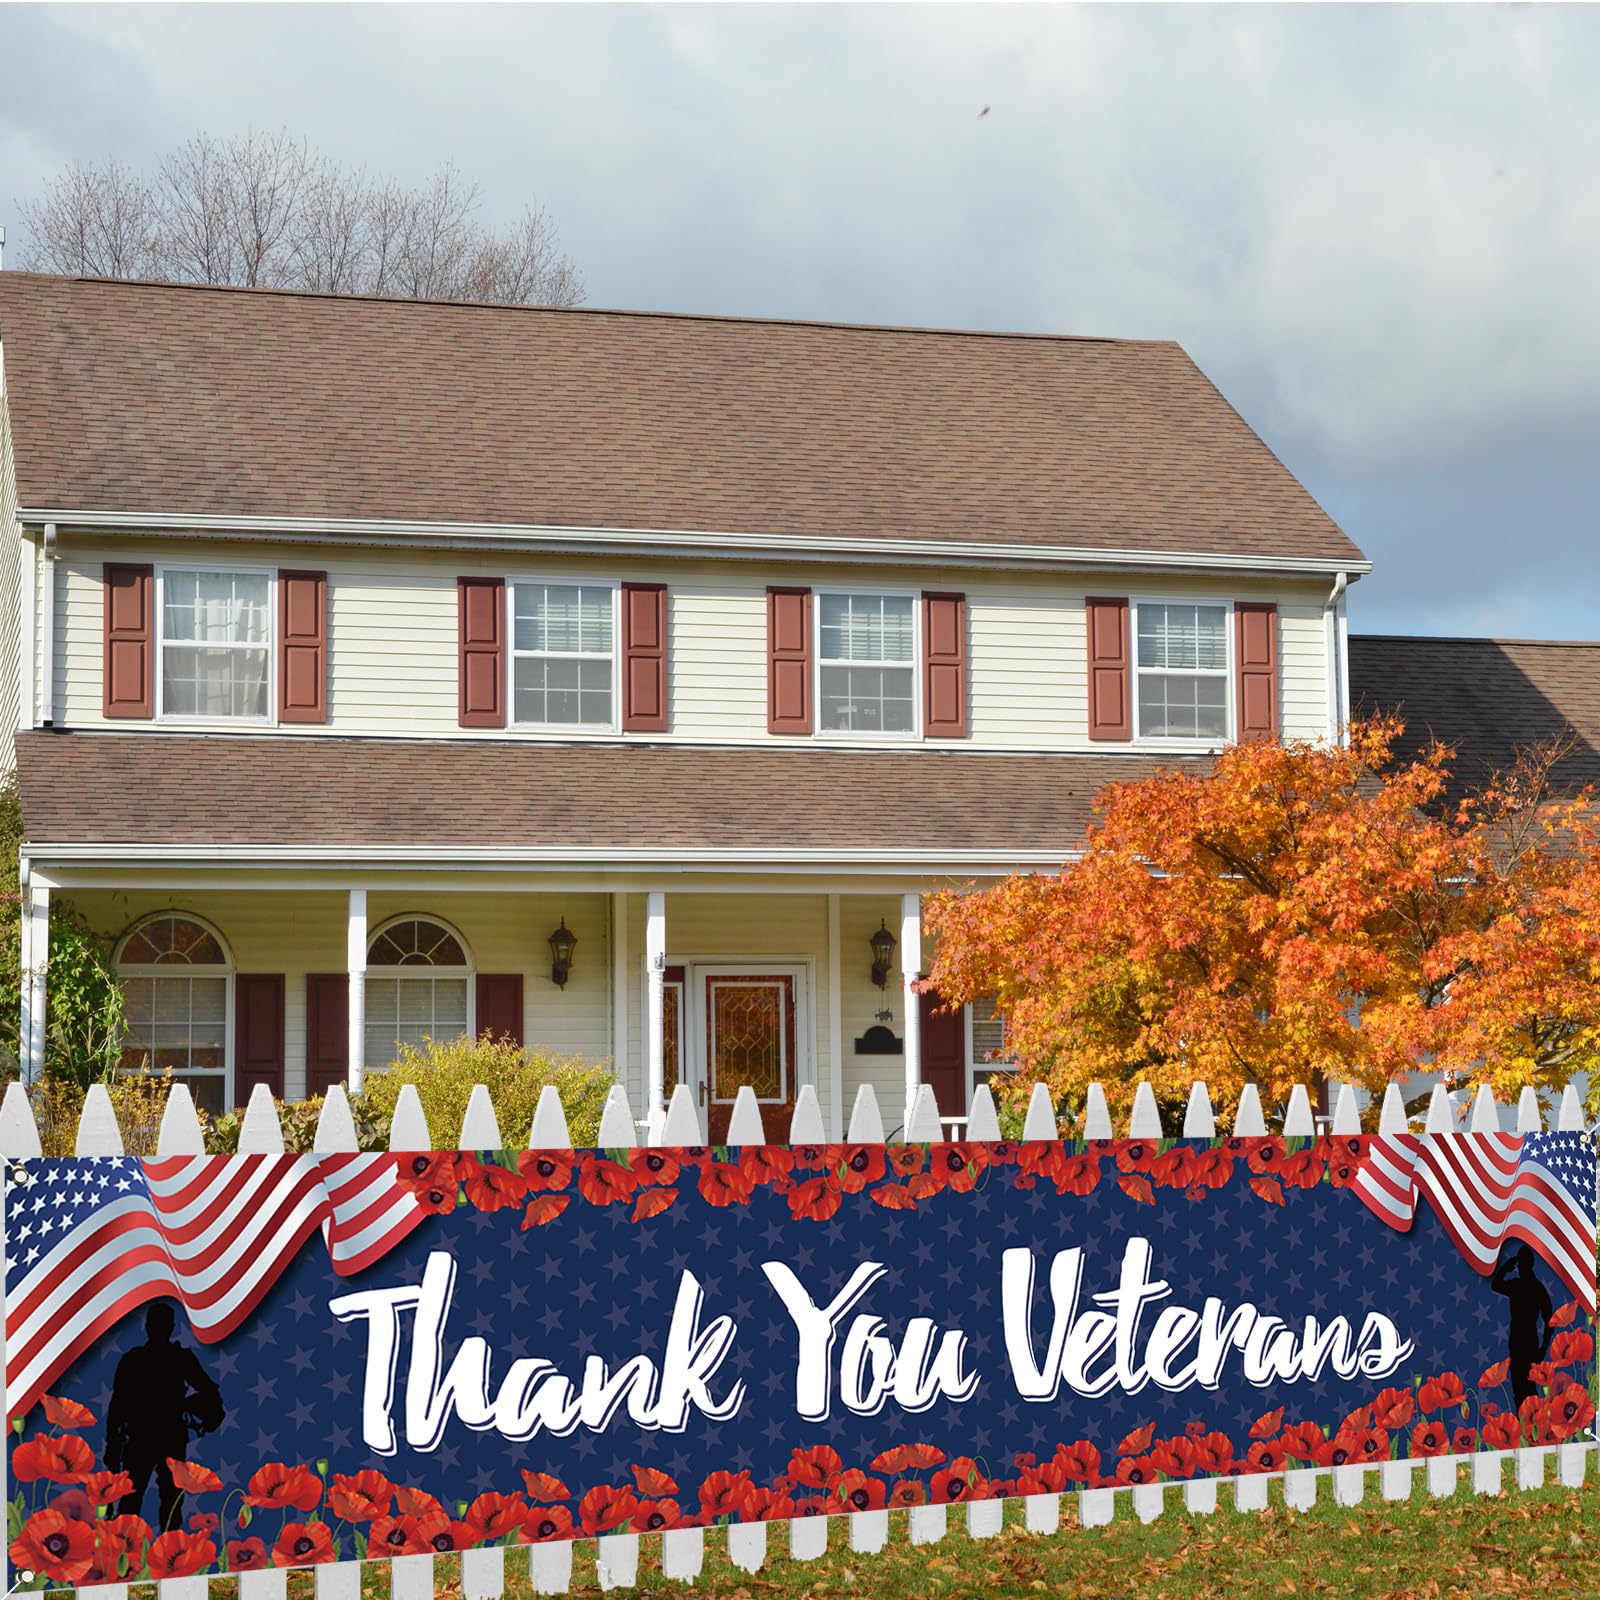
[1377,228]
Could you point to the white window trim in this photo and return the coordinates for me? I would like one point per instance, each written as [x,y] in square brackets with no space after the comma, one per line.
[176,969]
[159,631]
[867,736]
[469,972]
[975,1066]
[563,730]
[1158,741]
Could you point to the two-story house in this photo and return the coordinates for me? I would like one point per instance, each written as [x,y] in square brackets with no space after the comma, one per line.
[617,682]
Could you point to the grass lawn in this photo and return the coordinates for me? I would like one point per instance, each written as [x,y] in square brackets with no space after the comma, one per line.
[1545,1542]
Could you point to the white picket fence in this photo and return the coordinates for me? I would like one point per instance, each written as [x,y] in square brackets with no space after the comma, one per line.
[683,1550]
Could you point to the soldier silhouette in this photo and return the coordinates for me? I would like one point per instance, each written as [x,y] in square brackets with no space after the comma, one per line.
[159,1396]
[1530,1308]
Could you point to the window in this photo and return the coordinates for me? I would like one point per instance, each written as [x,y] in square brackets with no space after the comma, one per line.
[216,643]
[866,656]
[563,655]
[174,975]
[418,979]
[1182,669]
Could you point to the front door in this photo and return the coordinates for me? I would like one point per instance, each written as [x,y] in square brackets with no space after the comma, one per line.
[749,1035]
[944,1053]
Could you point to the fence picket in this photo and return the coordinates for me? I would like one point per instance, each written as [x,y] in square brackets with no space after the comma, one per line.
[1572,1461]
[1040,1122]
[1530,1468]
[1442,1476]
[1149,1499]
[808,1538]
[1485,1113]
[1394,1478]
[866,1122]
[806,1125]
[1200,1496]
[1097,1114]
[1570,1117]
[261,1134]
[1095,1506]
[747,1541]
[1441,1114]
[1248,1122]
[1300,1488]
[1298,1121]
[1346,1114]
[1144,1121]
[1349,1485]
[1393,1118]
[1486,1471]
[1528,1117]
[1250,1494]
[1199,1120]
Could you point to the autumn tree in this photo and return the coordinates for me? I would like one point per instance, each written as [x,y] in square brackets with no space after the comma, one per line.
[269,211]
[1297,912]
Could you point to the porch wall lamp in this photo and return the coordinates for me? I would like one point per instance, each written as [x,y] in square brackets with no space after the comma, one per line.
[883,943]
[562,943]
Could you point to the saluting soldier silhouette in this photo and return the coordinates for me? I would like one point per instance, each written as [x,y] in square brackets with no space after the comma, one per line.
[160,1395]
[1530,1308]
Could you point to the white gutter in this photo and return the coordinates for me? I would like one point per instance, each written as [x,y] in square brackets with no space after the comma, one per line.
[677,542]
[47,629]
[1338,664]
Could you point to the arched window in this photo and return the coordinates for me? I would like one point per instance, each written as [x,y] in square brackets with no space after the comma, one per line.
[174,972]
[418,982]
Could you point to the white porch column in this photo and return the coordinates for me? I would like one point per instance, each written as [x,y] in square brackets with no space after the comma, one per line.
[910,971]
[655,951]
[356,965]
[619,990]
[35,961]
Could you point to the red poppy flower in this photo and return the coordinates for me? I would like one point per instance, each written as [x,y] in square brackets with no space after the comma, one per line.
[811,1155]
[55,1545]
[895,1196]
[859,1491]
[768,1163]
[417,1502]
[723,1184]
[1430,1439]
[1464,1441]
[1393,1408]
[816,1468]
[1542,1374]
[1264,1155]
[66,1459]
[1534,1414]
[1266,1455]
[1562,1315]
[1038,1158]
[1368,1445]
[1358,1419]
[654,1483]
[1135,1155]
[1494,1375]
[1341,1173]
[1138,1188]
[655,1515]
[1138,1441]
[601,1181]
[1570,1409]
[1048,1477]
[651,1203]
[905,1160]
[650,1165]
[303,1544]
[1302,1441]
[961,1164]
[246,1555]
[63,1413]
[547,1522]
[360,1496]
[180,1555]
[604,1508]
[434,1166]
[104,1487]
[1267,1424]
[131,1533]
[1569,1348]
[695,1155]
[443,1534]
[544,1208]
[758,1504]
[856,1165]
[191,1477]
[908,1492]
[396,1536]
[541,1486]
[493,1516]
[1213,1453]
[816,1199]
[203,1522]
[432,1179]
[1502,1432]
[1337,1451]
[1444,1389]
[491,1187]
[548,1169]
[1174,1168]
[1137,1470]
[961,1480]
[1078,1174]
[279,1487]
[891,1461]
[1303,1169]
[1079,1461]
[922,1185]
[1174,1457]
[721,1493]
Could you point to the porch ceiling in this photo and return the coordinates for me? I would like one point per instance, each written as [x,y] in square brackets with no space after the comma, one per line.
[282,793]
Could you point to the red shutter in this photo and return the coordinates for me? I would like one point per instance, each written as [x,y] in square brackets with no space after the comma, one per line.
[788,661]
[944,1054]
[944,666]
[1110,670]
[327,1031]
[644,658]
[257,1033]
[1255,653]
[500,1006]
[481,613]
[302,647]
[130,641]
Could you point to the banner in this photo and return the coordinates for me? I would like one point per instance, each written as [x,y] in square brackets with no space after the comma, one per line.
[224,1363]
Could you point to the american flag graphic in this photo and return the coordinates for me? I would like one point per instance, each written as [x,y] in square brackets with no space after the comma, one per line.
[90,1239]
[1487,1188]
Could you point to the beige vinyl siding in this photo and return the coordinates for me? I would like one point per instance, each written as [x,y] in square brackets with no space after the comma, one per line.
[14,551]
[393,637]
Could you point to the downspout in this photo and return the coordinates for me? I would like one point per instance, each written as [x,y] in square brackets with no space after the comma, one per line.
[47,629]
[1335,632]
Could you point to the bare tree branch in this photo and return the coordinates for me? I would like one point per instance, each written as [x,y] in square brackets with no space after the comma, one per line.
[95,221]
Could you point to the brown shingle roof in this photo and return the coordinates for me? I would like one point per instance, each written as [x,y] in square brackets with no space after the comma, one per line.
[186,789]
[161,398]
[1486,697]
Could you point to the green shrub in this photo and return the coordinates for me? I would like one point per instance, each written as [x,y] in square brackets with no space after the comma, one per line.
[445,1071]
[298,1119]
[138,1098]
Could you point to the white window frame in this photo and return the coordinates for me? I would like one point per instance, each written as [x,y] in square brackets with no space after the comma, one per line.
[871,735]
[469,972]
[1161,741]
[159,634]
[563,729]
[175,969]
[974,1065]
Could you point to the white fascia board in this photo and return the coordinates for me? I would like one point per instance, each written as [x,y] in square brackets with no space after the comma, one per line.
[679,542]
